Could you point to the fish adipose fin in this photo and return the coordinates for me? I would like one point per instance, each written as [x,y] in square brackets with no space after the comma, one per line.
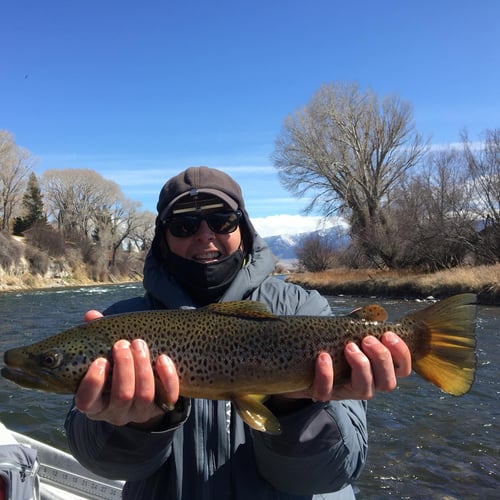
[450,359]
[251,409]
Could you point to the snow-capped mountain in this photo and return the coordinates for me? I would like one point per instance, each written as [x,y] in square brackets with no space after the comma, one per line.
[283,246]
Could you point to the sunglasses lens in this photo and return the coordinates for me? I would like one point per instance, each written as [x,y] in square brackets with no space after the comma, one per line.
[183,226]
[224,222]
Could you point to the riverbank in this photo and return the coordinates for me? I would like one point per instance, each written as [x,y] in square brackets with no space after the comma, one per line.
[482,280]
[16,284]
[24,267]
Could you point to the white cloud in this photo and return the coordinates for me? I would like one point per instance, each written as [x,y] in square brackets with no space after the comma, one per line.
[274,225]
[473,145]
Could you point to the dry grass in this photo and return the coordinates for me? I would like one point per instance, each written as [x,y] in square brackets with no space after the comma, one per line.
[483,280]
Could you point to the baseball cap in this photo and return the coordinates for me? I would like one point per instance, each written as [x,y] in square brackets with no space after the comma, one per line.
[199,183]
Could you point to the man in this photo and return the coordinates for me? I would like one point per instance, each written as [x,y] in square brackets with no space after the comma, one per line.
[206,250]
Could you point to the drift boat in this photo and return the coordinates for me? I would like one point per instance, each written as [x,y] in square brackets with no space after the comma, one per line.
[60,476]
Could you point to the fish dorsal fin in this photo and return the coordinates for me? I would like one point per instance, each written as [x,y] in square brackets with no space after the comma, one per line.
[243,309]
[371,312]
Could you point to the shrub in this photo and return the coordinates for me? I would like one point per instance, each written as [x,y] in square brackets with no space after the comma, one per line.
[10,252]
[38,260]
[46,238]
[316,253]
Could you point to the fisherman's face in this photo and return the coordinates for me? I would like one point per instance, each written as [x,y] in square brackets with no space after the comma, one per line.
[205,245]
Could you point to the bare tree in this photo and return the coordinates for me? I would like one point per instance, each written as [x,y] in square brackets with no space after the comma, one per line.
[76,198]
[349,150]
[120,222]
[432,223]
[316,253]
[483,164]
[93,210]
[15,165]
[143,234]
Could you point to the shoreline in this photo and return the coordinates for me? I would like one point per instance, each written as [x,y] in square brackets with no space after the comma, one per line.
[61,285]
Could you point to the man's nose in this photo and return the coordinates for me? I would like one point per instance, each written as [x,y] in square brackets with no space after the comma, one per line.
[204,231]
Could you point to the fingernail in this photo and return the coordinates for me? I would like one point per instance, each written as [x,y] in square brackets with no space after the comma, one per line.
[391,338]
[353,347]
[101,363]
[140,346]
[122,344]
[325,358]
[165,361]
[370,340]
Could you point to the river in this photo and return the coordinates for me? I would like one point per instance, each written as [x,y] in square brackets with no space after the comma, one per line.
[423,444]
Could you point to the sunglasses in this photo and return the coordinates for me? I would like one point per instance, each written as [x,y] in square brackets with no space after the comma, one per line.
[183,226]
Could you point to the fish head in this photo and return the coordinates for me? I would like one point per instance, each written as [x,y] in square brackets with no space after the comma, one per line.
[56,364]
[37,370]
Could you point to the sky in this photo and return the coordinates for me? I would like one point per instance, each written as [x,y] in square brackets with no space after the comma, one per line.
[138,91]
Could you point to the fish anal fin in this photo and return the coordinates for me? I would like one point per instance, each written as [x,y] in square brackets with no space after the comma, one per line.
[371,312]
[242,309]
[251,409]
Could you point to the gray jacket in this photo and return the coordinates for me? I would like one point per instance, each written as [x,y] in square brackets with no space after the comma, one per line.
[205,451]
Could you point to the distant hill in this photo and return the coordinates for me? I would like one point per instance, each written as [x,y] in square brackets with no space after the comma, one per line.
[284,246]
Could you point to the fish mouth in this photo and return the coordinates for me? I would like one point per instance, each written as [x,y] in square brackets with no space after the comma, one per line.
[23,378]
[32,381]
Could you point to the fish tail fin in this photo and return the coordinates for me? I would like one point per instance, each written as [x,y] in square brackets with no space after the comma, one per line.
[448,359]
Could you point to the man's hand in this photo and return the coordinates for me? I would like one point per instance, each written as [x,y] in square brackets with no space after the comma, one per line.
[374,367]
[131,397]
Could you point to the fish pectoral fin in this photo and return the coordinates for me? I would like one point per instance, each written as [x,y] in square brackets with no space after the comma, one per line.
[251,409]
[371,312]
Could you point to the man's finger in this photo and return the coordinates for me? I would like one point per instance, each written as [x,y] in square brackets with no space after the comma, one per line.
[91,315]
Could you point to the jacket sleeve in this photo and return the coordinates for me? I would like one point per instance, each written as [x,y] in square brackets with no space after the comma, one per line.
[322,448]
[122,452]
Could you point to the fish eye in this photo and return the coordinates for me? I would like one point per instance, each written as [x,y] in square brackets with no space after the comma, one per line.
[52,359]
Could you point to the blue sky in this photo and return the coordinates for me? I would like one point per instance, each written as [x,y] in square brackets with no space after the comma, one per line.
[140,90]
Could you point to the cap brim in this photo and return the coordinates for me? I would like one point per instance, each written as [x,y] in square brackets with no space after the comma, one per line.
[230,202]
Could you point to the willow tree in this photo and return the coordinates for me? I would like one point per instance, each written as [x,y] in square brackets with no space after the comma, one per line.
[348,150]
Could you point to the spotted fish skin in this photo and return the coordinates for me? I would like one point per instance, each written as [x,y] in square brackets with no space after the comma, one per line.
[229,350]
[215,353]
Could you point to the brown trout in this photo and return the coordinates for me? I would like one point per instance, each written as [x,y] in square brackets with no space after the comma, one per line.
[241,352]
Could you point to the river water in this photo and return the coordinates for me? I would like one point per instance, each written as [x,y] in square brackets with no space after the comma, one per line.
[423,444]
